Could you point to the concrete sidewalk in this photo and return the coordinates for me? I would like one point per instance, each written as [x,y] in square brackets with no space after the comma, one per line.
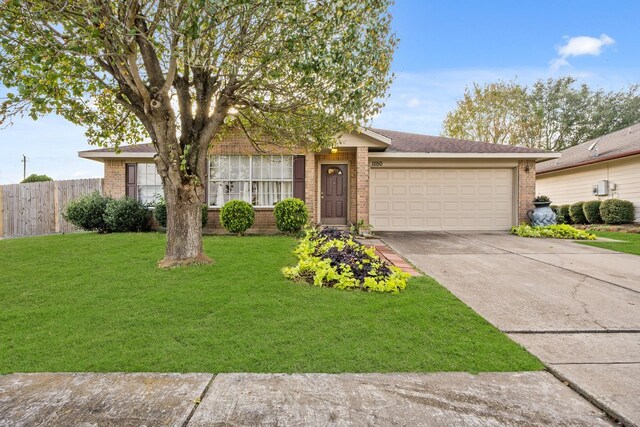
[574,306]
[440,399]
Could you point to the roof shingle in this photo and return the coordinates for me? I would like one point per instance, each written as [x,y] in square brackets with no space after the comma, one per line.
[404,142]
[621,143]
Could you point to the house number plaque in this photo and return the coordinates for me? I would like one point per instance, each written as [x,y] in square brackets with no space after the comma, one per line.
[376,163]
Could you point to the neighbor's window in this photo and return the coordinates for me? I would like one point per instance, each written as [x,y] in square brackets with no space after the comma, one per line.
[260,180]
[149,183]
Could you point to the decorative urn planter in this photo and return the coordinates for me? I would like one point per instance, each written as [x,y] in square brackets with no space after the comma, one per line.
[542,215]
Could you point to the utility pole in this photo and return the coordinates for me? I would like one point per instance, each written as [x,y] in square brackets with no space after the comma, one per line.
[24,166]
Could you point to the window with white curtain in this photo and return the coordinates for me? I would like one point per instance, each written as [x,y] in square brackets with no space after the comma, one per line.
[260,180]
[149,183]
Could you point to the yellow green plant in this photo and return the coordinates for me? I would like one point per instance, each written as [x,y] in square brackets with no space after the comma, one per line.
[331,258]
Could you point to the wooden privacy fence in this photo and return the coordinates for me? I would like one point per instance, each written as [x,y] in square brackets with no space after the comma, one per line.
[36,208]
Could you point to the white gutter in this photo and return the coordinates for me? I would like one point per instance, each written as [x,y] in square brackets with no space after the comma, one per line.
[536,156]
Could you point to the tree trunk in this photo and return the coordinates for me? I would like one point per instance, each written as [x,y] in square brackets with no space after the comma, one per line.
[184,225]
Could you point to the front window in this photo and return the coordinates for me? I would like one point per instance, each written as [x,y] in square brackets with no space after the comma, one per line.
[260,180]
[149,183]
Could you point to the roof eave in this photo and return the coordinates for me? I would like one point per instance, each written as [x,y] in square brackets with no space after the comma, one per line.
[384,139]
[528,156]
[102,155]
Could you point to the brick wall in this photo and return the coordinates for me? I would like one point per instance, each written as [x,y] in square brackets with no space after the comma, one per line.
[310,186]
[114,178]
[237,143]
[362,184]
[264,223]
[526,188]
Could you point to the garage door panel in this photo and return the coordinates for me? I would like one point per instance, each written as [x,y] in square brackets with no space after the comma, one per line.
[467,190]
[450,207]
[415,206]
[450,190]
[416,190]
[416,175]
[398,175]
[398,190]
[467,207]
[382,207]
[441,199]
[434,206]
[433,191]
[381,190]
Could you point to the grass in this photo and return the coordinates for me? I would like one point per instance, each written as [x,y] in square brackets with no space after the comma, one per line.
[88,302]
[630,242]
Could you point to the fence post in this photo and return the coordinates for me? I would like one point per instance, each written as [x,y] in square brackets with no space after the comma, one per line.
[56,208]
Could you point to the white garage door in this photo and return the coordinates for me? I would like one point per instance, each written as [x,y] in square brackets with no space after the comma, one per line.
[441,199]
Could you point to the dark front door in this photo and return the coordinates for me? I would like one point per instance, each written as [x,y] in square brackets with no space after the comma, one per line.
[333,194]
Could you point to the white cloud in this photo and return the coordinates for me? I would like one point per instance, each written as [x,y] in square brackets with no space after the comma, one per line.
[556,64]
[414,103]
[579,46]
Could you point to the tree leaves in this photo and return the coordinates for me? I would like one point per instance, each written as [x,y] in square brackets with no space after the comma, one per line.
[552,115]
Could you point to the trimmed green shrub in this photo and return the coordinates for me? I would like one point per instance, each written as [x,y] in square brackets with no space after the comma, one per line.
[291,215]
[34,177]
[87,212]
[577,214]
[592,211]
[127,214]
[331,258]
[564,217]
[558,231]
[616,211]
[160,213]
[237,216]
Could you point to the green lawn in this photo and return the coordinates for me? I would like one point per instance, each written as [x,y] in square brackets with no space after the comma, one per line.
[630,242]
[89,302]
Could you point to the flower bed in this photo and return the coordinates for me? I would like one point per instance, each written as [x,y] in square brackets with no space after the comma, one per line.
[559,231]
[331,258]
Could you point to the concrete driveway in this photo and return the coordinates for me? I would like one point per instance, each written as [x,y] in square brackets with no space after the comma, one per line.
[575,307]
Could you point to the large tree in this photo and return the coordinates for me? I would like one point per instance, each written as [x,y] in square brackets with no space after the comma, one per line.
[552,114]
[182,72]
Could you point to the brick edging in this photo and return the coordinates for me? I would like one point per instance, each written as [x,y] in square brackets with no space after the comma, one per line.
[390,256]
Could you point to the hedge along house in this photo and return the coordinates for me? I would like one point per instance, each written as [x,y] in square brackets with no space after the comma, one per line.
[603,168]
[395,181]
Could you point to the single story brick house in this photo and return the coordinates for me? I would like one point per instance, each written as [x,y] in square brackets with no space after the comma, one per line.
[396,181]
[603,168]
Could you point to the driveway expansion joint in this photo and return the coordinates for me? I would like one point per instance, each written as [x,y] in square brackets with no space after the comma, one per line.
[598,403]
[198,400]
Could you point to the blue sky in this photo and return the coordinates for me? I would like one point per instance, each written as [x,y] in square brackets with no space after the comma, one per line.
[444,46]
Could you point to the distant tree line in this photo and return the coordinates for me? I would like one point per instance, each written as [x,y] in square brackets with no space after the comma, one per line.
[552,115]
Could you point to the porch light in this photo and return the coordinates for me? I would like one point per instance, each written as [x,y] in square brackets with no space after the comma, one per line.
[334,150]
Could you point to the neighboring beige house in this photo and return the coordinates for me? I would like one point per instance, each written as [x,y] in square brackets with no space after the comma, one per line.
[603,168]
[393,180]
